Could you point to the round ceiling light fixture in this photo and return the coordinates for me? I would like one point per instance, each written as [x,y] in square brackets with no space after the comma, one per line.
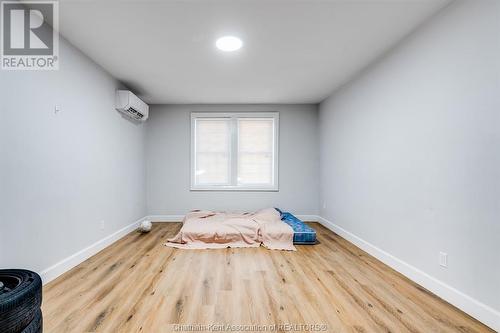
[229,43]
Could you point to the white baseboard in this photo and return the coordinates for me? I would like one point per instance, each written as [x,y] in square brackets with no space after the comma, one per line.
[179,218]
[308,218]
[165,218]
[68,263]
[469,305]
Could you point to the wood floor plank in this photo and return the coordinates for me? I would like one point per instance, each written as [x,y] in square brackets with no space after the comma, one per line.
[139,285]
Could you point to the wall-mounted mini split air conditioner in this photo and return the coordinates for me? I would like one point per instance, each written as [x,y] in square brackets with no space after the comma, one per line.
[130,105]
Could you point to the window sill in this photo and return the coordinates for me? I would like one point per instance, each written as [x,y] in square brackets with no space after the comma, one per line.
[234,189]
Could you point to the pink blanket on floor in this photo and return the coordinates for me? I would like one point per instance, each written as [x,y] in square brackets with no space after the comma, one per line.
[215,230]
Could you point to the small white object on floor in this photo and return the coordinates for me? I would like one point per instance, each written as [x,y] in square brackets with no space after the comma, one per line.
[145,226]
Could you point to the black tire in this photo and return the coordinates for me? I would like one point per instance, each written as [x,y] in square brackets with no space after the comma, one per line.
[36,325]
[20,299]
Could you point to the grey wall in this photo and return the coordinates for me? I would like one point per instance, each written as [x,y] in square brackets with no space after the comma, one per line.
[168,162]
[61,174]
[410,156]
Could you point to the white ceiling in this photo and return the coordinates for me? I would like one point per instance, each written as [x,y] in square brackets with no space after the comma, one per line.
[294,51]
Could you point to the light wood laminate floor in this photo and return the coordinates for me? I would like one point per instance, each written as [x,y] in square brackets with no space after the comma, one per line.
[139,285]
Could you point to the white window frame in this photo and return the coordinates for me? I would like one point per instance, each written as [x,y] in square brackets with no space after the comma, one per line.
[233,155]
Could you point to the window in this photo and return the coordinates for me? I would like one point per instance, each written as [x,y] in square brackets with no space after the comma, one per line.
[234,151]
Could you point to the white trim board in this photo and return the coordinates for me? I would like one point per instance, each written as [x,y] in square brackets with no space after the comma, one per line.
[469,305]
[68,263]
[179,218]
[164,218]
[308,218]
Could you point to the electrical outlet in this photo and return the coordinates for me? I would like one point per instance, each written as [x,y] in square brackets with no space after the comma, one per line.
[324,204]
[57,108]
[443,259]
[102,225]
